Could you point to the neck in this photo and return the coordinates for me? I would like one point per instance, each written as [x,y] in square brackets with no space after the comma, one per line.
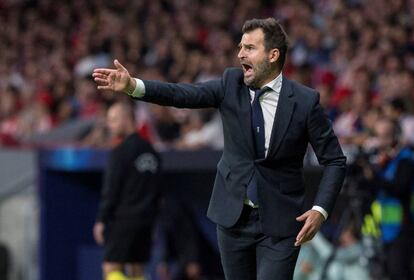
[130,131]
[273,75]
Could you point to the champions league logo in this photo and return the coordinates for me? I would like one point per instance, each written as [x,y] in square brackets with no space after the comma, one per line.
[146,162]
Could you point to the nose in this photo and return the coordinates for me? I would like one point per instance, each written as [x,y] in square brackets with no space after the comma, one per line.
[241,54]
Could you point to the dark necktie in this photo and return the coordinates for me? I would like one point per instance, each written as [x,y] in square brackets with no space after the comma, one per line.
[258,123]
[259,140]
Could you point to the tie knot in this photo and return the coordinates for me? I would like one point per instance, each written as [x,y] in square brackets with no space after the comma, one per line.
[259,92]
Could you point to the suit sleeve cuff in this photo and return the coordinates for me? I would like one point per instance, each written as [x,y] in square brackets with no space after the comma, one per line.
[139,90]
[321,210]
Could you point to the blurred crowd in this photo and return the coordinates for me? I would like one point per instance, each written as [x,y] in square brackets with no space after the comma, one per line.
[358,54]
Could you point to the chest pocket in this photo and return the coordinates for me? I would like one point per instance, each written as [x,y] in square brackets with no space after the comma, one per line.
[295,129]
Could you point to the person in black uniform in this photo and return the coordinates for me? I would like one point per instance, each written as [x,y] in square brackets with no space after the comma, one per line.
[129,198]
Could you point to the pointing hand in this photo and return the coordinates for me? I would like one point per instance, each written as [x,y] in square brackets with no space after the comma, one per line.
[117,79]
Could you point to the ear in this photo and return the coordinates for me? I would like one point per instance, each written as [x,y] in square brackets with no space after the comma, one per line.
[274,55]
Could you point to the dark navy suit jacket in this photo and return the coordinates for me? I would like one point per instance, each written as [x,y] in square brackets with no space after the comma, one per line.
[299,120]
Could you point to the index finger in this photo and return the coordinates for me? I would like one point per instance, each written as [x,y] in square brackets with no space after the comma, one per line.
[105,71]
[302,233]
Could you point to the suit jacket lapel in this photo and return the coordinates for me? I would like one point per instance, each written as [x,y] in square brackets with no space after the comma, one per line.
[245,116]
[283,116]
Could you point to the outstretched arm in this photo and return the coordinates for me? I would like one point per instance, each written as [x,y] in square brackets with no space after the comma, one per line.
[201,95]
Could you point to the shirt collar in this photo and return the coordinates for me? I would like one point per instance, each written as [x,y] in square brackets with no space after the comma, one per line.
[275,84]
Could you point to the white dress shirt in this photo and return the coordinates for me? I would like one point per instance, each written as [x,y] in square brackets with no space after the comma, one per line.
[268,102]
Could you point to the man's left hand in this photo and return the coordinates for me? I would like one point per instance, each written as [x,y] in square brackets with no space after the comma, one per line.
[313,221]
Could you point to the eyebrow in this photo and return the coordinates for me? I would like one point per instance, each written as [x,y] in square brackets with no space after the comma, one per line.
[246,45]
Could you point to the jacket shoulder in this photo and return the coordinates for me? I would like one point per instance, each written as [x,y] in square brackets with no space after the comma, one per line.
[233,73]
[134,145]
[303,92]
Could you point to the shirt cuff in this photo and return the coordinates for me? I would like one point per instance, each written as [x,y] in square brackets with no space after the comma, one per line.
[139,90]
[321,210]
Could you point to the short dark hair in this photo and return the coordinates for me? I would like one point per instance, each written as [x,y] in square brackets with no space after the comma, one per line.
[274,36]
[398,104]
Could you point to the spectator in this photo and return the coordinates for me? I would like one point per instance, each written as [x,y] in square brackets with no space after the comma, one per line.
[396,109]
[392,179]
[49,47]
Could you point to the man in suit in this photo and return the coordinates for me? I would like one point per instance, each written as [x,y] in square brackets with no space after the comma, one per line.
[268,121]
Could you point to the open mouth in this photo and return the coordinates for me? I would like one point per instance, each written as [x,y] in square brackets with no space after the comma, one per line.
[247,68]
